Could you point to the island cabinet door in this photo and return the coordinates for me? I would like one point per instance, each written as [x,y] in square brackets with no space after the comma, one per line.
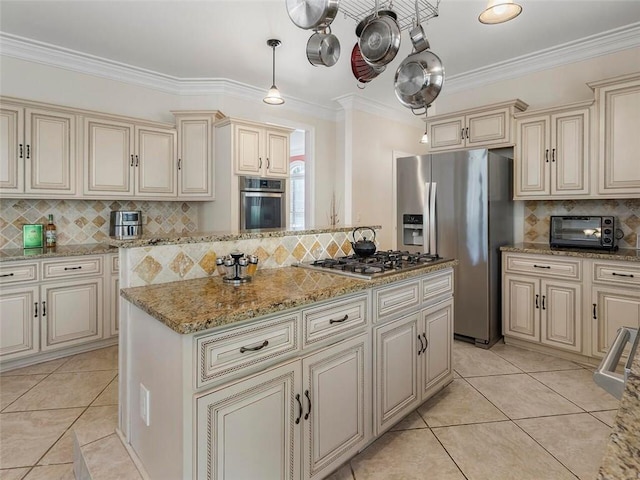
[337,405]
[437,333]
[396,370]
[251,429]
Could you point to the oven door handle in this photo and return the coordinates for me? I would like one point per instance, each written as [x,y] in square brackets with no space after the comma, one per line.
[605,376]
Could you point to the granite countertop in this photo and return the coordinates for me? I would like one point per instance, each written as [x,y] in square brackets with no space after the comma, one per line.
[622,456]
[202,237]
[624,254]
[191,306]
[11,254]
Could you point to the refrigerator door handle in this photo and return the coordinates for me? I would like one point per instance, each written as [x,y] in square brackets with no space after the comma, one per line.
[426,219]
[433,221]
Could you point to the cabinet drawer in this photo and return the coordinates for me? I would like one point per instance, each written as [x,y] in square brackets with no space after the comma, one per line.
[72,267]
[241,349]
[618,273]
[544,266]
[18,272]
[395,299]
[437,285]
[334,319]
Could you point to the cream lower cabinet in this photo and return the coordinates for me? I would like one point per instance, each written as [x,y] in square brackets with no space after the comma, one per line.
[19,322]
[37,152]
[618,107]
[615,297]
[538,305]
[301,419]
[552,153]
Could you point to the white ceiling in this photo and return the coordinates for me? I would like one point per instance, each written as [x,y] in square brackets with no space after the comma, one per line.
[227,39]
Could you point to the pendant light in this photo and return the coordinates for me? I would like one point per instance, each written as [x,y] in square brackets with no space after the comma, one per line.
[425,137]
[500,11]
[273,95]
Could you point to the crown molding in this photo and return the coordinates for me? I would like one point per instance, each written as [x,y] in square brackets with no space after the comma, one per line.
[583,49]
[355,102]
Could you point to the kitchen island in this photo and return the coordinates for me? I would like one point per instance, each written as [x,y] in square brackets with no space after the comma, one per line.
[298,370]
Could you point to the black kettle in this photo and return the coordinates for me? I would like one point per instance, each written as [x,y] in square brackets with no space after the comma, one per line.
[364,247]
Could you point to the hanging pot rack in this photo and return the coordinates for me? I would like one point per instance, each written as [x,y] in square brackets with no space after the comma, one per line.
[405,9]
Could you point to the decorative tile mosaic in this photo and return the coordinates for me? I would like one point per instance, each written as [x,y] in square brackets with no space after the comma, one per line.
[170,263]
[627,212]
[87,221]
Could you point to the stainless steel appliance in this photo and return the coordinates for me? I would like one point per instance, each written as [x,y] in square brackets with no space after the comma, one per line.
[379,264]
[605,376]
[595,232]
[458,205]
[125,224]
[262,203]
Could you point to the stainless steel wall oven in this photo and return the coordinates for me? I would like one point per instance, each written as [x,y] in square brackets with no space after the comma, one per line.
[262,203]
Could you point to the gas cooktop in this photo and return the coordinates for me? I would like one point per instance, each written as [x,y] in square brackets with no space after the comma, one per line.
[377,265]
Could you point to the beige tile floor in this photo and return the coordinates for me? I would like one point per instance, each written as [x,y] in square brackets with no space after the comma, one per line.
[509,414]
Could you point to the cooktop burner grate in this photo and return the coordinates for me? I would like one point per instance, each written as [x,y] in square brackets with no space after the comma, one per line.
[381,263]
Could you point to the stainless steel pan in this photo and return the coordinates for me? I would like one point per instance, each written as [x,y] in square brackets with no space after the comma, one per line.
[312,14]
[419,79]
[380,40]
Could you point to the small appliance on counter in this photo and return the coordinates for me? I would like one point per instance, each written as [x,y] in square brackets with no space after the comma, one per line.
[583,231]
[125,224]
[236,268]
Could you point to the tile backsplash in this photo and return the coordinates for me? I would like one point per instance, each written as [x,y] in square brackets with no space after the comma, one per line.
[87,221]
[626,211]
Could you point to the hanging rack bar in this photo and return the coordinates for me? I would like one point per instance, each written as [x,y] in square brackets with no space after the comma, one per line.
[405,9]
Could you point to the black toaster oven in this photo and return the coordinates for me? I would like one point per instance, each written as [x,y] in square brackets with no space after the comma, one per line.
[595,232]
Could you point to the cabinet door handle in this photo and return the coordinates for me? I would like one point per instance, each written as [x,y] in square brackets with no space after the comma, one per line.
[426,342]
[462,134]
[179,163]
[630,275]
[421,345]
[44,309]
[260,160]
[541,266]
[137,160]
[268,163]
[131,160]
[537,301]
[73,268]
[467,132]
[306,394]
[28,151]
[299,408]
[595,310]
[543,299]
[553,154]
[546,155]
[35,314]
[339,321]
[7,275]
[20,155]
[254,349]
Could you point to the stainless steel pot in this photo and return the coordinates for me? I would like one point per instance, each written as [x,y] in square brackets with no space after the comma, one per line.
[380,40]
[312,14]
[419,79]
[418,38]
[323,49]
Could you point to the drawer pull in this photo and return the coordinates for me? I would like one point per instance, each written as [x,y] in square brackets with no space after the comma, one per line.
[254,349]
[299,408]
[306,394]
[72,268]
[541,266]
[595,309]
[346,316]
[7,275]
[421,345]
[630,275]
[426,342]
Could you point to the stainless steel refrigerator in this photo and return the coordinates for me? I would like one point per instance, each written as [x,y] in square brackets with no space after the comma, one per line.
[459,205]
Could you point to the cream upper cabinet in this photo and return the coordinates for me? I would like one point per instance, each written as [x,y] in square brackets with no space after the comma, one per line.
[195,153]
[37,152]
[490,125]
[257,149]
[552,153]
[124,159]
[618,117]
